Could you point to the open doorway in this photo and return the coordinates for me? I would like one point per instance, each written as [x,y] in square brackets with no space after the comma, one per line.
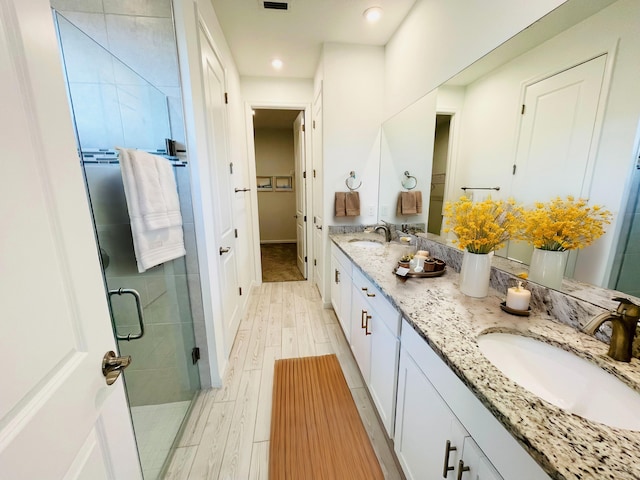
[439,172]
[279,153]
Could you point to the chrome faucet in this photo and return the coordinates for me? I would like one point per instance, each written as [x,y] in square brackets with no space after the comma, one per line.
[387,232]
[624,321]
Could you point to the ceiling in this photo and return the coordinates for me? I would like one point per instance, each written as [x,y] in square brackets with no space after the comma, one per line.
[256,36]
[268,118]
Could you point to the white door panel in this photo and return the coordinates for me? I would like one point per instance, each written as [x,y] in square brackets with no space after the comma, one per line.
[301,192]
[556,134]
[216,124]
[55,404]
[317,195]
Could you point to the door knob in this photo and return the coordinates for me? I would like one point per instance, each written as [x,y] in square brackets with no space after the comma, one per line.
[224,250]
[112,365]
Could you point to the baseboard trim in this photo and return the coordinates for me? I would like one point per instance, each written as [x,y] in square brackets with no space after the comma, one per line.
[265,242]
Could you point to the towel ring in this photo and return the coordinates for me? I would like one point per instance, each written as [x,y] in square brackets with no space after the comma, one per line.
[408,177]
[352,176]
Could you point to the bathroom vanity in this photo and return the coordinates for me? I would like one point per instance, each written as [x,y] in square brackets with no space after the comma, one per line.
[449,411]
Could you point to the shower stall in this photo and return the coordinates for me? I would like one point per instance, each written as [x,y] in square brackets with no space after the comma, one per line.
[152,312]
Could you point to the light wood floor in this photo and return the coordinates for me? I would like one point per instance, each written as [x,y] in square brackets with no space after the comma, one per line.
[227,434]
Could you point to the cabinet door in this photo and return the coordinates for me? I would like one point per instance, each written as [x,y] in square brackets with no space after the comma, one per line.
[385,348]
[474,465]
[427,434]
[344,282]
[360,338]
[336,299]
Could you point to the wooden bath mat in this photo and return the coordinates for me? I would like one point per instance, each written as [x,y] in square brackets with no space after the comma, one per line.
[316,431]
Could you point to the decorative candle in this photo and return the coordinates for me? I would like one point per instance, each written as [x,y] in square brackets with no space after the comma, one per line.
[518,298]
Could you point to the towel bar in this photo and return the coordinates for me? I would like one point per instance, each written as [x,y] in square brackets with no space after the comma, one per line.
[408,176]
[480,188]
[352,176]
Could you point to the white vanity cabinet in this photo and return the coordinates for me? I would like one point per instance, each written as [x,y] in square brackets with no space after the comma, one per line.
[341,288]
[474,465]
[428,437]
[434,407]
[375,327]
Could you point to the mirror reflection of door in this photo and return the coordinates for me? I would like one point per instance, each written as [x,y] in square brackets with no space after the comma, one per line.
[441,152]
[555,145]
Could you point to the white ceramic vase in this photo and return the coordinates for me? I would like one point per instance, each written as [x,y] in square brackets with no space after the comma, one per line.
[547,267]
[474,274]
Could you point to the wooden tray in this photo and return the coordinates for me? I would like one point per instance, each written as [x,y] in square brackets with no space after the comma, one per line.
[520,313]
[435,273]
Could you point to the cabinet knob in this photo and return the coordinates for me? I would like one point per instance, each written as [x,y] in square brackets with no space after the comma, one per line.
[337,276]
[447,450]
[461,469]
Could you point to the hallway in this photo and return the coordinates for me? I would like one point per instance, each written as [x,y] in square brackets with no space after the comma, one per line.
[227,434]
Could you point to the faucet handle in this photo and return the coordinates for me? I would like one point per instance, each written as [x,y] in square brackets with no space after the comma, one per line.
[627,307]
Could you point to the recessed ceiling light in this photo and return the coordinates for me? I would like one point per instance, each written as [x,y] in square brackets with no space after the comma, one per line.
[277,63]
[373,14]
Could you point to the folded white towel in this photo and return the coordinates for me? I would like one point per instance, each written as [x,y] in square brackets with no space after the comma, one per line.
[157,191]
[154,208]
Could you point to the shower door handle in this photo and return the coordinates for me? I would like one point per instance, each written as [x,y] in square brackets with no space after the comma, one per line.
[136,296]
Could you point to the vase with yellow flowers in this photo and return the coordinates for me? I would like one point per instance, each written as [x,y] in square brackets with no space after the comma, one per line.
[554,228]
[480,229]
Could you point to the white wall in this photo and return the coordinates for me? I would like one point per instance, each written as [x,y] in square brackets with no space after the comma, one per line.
[441,37]
[490,119]
[187,15]
[274,157]
[277,91]
[352,114]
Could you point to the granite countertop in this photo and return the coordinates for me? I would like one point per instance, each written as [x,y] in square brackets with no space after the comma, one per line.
[566,446]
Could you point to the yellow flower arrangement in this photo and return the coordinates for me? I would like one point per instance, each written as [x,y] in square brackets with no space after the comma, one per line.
[482,227]
[564,224]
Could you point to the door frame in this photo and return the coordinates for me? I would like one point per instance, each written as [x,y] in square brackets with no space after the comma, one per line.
[251,158]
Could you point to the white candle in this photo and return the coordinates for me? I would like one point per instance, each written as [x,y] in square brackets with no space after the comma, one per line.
[518,298]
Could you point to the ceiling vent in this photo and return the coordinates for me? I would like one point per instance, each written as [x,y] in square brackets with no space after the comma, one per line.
[275,5]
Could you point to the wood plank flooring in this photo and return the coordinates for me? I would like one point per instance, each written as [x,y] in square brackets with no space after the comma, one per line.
[227,433]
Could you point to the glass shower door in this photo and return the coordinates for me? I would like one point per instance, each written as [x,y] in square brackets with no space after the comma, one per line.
[152,311]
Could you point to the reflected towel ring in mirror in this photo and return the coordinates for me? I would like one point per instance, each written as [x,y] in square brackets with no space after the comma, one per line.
[407,183]
[352,177]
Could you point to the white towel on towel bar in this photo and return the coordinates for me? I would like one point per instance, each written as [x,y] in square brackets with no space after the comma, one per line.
[154,207]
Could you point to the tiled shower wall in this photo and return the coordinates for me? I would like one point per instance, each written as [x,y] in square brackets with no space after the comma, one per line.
[627,258]
[140,33]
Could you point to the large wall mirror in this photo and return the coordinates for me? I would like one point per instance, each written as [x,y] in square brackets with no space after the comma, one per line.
[574,70]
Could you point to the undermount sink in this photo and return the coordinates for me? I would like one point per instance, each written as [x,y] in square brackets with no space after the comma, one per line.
[563,379]
[366,243]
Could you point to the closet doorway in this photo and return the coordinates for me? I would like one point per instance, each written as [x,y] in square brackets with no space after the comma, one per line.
[279,155]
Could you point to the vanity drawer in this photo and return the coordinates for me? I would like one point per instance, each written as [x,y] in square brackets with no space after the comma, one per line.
[387,313]
[342,259]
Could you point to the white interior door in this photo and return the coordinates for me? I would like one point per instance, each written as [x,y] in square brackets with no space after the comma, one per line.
[301,193]
[59,419]
[318,205]
[556,135]
[216,124]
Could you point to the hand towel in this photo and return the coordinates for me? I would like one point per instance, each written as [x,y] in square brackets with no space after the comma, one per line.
[409,203]
[352,204]
[158,238]
[341,204]
[418,195]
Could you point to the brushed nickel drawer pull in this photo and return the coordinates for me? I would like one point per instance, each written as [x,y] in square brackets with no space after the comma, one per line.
[447,450]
